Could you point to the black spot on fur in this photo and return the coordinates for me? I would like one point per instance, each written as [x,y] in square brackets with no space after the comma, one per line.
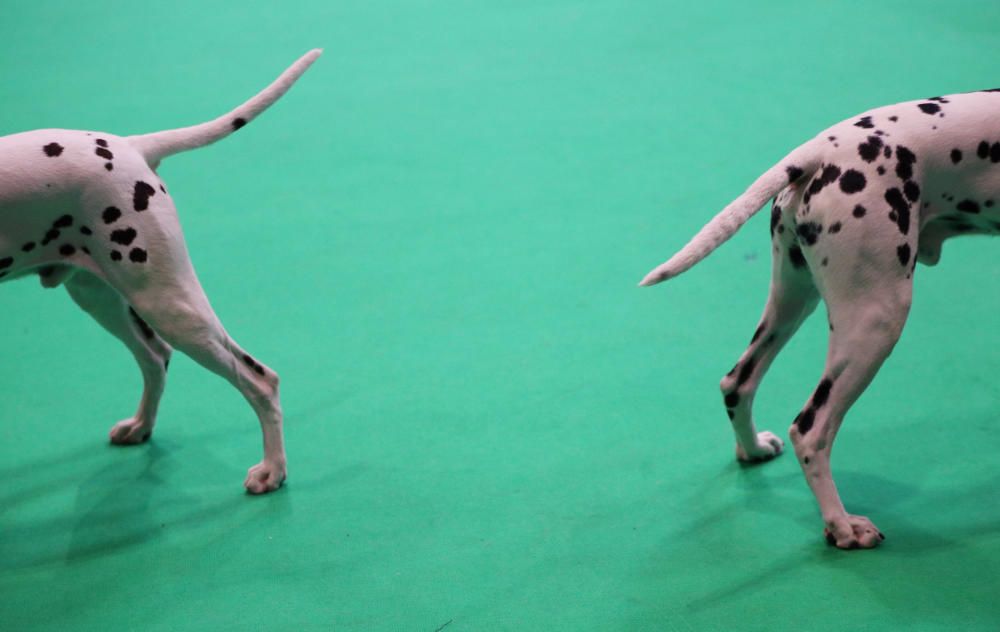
[929,108]
[111,215]
[852,181]
[822,393]
[865,122]
[137,255]
[123,236]
[141,195]
[52,150]
[893,118]
[795,256]
[869,149]
[956,156]
[804,421]
[730,413]
[746,371]
[732,400]
[28,247]
[85,230]
[146,330]
[6,262]
[775,217]
[968,206]
[104,153]
[757,334]
[116,256]
[903,252]
[50,236]
[63,222]
[809,232]
[834,228]
[67,250]
[881,170]
[101,142]
[253,364]
[995,152]
[109,166]
[911,190]
[238,123]
[828,176]
[905,160]
[85,249]
[901,210]
[983,150]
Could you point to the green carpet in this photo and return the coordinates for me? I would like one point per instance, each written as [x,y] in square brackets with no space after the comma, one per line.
[435,239]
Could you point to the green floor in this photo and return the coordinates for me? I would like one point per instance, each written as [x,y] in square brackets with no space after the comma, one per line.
[435,239]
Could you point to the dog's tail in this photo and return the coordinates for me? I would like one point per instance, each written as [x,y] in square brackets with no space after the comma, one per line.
[157,146]
[794,167]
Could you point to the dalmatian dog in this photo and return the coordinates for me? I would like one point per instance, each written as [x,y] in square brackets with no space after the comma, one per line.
[87,210]
[854,210]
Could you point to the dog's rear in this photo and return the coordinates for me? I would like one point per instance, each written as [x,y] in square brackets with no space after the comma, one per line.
[86,209]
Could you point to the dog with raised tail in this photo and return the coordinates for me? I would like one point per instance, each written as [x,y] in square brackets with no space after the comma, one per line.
[855,209]
[87,210]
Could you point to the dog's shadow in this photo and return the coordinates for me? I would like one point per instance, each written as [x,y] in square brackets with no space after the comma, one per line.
[130,498]
[124,497]
[915,547]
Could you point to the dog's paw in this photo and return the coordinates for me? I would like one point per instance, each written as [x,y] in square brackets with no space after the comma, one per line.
[130,432]
[265,477]
[853,532]
[769,445]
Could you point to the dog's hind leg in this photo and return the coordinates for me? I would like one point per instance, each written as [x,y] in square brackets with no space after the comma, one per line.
[107,307]
[159,282]
[868,292]
[180,312]
[792,298]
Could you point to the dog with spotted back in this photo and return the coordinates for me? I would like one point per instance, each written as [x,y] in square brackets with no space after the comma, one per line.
[87,210]
[854,210]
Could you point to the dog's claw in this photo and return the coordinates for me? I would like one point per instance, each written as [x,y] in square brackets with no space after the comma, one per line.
[769,445]
[264,477]
[130,431]
[856,532]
